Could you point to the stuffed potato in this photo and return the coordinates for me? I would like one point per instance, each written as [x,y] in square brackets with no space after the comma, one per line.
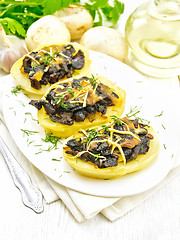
[38,70]
[115,149]
[78,103]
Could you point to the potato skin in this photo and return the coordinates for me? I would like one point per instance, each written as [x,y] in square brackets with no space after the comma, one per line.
[62,130]
[24,81]
[91,170]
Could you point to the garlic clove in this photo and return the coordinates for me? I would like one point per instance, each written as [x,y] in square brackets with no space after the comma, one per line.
[4,41]
[11,49]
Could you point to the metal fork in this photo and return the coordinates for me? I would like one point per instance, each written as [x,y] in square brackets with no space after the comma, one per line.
[31,196]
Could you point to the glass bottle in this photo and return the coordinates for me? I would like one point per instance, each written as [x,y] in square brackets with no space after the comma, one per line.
[153,35]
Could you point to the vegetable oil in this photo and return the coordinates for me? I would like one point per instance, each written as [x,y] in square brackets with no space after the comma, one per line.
[153,35]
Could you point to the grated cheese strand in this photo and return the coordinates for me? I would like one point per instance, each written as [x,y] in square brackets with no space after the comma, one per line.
[95,141]
[32,59]
[120,149]
[85,99]
[124,132]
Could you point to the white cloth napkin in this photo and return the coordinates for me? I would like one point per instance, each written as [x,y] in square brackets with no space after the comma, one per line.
[84,206]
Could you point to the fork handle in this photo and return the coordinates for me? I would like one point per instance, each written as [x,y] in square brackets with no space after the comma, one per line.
[31,196]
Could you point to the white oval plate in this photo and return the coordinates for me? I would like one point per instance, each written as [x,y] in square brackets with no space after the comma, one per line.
[20,116]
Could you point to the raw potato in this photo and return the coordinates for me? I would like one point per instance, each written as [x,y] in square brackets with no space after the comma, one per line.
[90,170]
[77,19]
[106,40]
[46,31]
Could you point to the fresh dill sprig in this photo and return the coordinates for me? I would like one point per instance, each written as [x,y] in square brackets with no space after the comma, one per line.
[93,81]
[91,134]
[16,90]
[105,128]
[70,91]
[33,66]
[60,102]
[97,156]
[80,87]
[47,58]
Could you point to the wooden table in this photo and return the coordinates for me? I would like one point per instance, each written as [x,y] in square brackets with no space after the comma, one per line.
[157,218]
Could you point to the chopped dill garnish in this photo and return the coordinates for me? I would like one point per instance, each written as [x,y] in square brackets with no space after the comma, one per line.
[80,87]
[163,126]
[159,115]
[33,66]
[30,143]
[105,128]
[52,139]
[91,134]
[116,120]
[70,91]
[60,102]
[54,159]
[30,114]
[47,58]
[27,132]
[97,156]
[164,146]
[66,171]
[93,81]
[16,90]
[38,152]
[91,118]
[21,103]
[133,113]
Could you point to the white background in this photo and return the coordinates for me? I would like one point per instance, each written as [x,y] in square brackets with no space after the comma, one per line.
[157,218]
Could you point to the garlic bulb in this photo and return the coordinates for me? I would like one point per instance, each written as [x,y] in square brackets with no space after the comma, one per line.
[11,49]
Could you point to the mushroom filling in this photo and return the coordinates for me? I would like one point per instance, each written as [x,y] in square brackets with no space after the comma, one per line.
[76,100]
[50,64]
[104,145]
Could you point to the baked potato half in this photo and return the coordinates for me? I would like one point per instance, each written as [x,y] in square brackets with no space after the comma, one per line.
[112,150]
[77,103]
[38,70]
